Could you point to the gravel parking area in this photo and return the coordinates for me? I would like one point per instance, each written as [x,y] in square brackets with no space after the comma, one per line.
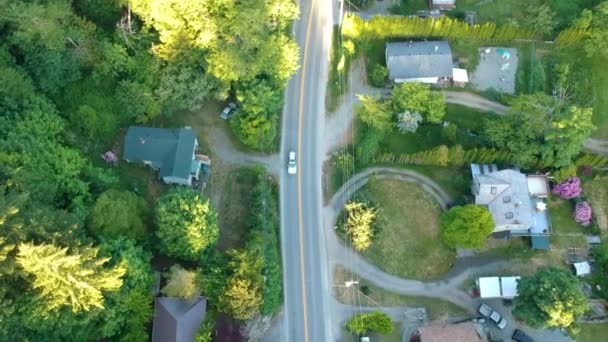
[496,69]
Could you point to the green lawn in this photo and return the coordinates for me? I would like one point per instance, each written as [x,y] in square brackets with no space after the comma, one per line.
[466,117]
[407,242]
[234,207]
[596,191]
[560,212]
[376,296]
[599,77]
[592,332]
[426,137]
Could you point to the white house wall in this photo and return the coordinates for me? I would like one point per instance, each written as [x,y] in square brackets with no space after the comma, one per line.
[431,80]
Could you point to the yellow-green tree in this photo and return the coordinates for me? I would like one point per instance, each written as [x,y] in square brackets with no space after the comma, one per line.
[181,283]
[241,298]
[77,280]
[359,224]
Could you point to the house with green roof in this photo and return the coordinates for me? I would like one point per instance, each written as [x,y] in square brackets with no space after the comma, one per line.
[170,152]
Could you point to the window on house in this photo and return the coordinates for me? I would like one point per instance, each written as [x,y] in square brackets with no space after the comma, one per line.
[506,199]
[509,215]
[493,190]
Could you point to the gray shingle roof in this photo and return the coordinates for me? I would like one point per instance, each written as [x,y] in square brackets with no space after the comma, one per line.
[418,59]
[168,150]
[176,320]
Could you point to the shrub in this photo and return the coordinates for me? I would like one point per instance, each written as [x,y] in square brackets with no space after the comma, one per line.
[374,321]
[407,122]
[568,189]
[583,213]
[345,163]
[565,173]
[377,74]
[359,224]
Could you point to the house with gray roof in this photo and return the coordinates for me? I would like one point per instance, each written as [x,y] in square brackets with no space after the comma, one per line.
[515,200]
[171,152]
[425,62]
[177,320]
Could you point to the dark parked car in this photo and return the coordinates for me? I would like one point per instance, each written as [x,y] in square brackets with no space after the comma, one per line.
[521,336]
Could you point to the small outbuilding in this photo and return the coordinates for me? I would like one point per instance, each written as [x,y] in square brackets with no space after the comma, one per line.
[582,268]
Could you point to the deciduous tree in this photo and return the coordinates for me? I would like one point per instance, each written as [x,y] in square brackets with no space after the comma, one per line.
[186,224]
[118,213]
[552,298]
[241,299]
[418,97]
[466,227]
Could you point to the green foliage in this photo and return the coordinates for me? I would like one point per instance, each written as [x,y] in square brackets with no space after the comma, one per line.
[375,321]
[257,122]
[466,227]
[76,279]
[186,224]
[597,41]
[137,101]
[181,283]
[600,275]
[399,27]
[377,75]
[375,113]
[359,226]
[531,78]
[118,213]
[539,19]
[128,311]
[418,98]
[565,173]
[552,298]
[543,128]
[241,299]
[368,145]
[213,278]
[345,163]
[264,240]
[186,86]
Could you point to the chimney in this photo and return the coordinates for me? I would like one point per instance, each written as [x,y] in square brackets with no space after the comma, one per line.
[436,48]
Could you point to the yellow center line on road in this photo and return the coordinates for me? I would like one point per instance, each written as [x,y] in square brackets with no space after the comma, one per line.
[300,115]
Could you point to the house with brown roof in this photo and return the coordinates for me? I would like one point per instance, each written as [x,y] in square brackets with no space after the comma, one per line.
[461,332]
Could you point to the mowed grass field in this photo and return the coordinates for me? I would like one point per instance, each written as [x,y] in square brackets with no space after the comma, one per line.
[407,242]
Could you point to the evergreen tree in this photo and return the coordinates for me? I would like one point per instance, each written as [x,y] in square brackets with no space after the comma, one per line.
[77,280]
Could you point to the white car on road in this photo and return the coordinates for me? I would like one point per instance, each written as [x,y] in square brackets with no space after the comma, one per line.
[291,164]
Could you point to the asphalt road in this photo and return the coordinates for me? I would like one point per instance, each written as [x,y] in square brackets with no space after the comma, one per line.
[306,287]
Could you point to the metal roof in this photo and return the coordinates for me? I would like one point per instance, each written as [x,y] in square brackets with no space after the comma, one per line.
[406,60]
[177,320]
[169,150]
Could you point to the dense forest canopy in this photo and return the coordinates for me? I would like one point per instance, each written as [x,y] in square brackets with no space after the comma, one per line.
[73,73]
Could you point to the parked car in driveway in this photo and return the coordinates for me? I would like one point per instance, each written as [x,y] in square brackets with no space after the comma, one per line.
[521,336]
[494,316]
[228,110]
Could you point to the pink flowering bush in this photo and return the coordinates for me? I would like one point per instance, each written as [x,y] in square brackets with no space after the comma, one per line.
[110,158]
[568,189]
[583,213]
